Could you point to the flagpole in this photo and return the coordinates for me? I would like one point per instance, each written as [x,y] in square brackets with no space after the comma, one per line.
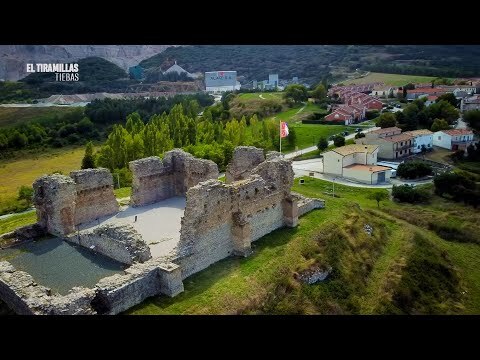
[280,133]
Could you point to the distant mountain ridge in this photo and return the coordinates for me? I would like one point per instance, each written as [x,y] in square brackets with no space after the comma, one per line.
[311,63]
[13,58]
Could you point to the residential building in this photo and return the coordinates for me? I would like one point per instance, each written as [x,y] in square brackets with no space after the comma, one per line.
[392,143]
[470,103]
[346,114]
[425,91]
[453,139]
[382,91]
[356,162]
[421,138]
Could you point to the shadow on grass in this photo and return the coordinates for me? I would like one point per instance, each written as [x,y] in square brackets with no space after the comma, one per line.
[205,279]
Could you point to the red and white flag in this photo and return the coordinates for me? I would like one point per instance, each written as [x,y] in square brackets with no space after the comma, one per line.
[283,129]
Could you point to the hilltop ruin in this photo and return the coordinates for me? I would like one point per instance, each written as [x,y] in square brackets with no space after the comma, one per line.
[181,219]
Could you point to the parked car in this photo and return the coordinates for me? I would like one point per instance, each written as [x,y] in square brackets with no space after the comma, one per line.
[358,130]
[345,133]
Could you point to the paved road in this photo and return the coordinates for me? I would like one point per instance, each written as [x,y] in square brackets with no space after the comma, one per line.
[461,124]
[312,148]
[6,216]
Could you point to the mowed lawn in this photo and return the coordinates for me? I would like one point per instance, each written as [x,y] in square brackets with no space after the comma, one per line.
[390,79]
[10,116]
[23,171]
[309,134]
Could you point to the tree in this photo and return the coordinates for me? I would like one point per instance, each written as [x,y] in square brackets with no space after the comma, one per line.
[472,118]
[322,144]
[450,97]
[338,141]
[386,120]
[25,193]
[413,169]
[442,110]
[297,93]
[410,194]
[292,137]
[88,161]
[378,196]
[439,124]
[410,114]
[85,126]
[320,93]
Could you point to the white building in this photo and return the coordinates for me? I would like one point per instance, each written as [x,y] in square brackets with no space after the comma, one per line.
[453,139]
[221,81]
[421,138]
[179,70]
[356,162]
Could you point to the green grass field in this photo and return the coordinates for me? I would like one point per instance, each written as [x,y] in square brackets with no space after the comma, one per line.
[309,134]
[390,79]
[368,271]
[265,95]
[16,221]
[23,171]
[10,116]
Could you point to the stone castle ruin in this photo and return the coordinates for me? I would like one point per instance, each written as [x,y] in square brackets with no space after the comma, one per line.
[181,219]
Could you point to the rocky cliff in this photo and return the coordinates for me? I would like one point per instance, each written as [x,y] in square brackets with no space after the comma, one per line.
[13,58]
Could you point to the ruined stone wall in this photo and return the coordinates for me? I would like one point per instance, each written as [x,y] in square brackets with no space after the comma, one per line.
[118,293]
[94,194]
[24,296]
[120,242]
[111,295]
[155,179]
[244,160]
[152,181]
[223,219]
[54,198]
[306,205]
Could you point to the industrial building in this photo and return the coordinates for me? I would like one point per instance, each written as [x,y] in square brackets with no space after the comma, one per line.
[221,81]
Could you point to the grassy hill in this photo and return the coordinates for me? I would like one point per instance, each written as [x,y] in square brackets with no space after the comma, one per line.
[402,268]
[390,79]
[313,62]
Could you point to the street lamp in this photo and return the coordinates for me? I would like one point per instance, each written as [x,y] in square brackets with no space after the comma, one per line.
[333,184]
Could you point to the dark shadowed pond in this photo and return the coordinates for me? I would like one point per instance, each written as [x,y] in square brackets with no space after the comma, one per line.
[56,264]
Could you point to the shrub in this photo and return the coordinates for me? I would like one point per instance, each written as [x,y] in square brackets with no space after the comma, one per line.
[359,135]
[372,114]
[338,141]
[322,144]
[410,194]
[414,169]
[25,193]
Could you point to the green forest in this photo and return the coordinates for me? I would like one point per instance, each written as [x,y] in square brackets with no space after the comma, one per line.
[311,63]
[58,129]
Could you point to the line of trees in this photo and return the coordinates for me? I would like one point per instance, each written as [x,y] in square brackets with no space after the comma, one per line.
[202,137]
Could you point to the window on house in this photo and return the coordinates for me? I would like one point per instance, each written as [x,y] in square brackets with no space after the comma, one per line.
[401,151]
[439,138]
[401,144]
[418,147]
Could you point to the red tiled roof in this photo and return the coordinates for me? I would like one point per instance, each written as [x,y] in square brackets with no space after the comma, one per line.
[370,168]
[386,130]
[399,137]
[457,132]
[432,97]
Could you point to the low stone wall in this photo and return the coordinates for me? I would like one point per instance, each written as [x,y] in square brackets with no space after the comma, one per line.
[306,205]
[120,242]
[111,295]
[118,293]
[25,297]
[24,233]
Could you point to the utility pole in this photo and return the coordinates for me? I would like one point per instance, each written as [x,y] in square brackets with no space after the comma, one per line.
[280,134]
[333,191]
[118,181]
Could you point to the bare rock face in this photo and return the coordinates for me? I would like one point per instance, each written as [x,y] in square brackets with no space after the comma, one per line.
[244,160]
[54,199]
[13,58]
[95,197]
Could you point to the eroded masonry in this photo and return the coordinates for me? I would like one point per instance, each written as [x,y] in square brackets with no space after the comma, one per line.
[181,219]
